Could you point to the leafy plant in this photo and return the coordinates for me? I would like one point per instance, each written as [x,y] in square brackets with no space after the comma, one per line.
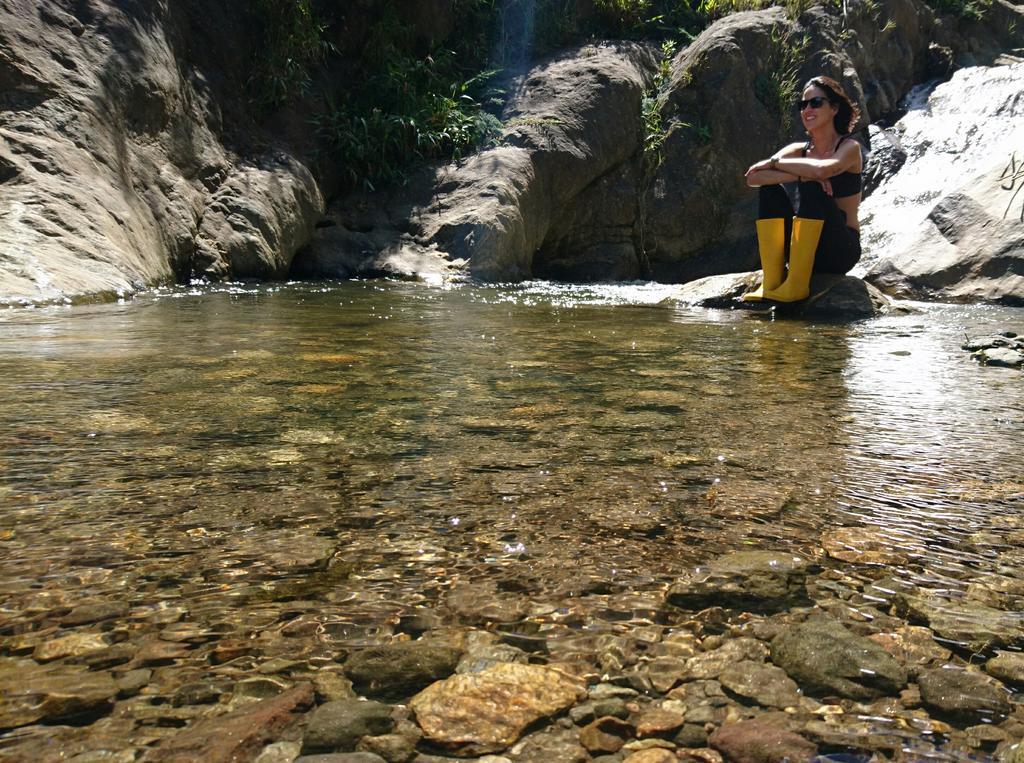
[969,10]
[652,106]
[777,87]
[294,42]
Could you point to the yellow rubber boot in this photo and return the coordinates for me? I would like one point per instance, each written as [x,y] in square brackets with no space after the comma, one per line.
[771,243]
[802,247]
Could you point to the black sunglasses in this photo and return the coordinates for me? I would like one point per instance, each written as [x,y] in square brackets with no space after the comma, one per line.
[815,103]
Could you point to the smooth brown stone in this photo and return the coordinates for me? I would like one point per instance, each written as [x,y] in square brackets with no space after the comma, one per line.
[606,734]
[485,712]
[658,721]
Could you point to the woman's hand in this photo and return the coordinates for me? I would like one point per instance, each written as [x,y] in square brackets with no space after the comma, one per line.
[826,186]
[764,164]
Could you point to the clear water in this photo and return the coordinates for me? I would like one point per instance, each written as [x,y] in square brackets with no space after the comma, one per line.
[550,457]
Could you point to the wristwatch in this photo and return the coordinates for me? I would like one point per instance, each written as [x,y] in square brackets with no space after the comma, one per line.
[774,163]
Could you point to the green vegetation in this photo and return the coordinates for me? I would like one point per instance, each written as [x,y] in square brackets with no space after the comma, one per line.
[652,106]
[970,10]
[294,42]
[777,88]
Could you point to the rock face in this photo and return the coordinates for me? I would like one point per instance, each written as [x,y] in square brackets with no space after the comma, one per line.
[823,656]
[562,183]
[114,171]
[950,223]
[486,712]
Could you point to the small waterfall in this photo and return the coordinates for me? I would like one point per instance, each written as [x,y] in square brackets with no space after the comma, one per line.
[952,133]
[515,34]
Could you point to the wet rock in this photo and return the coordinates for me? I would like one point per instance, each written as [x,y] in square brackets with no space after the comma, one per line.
[94,612]
[589,711]
[606,734]
[330,685]
[342,757]
[197,693]
[658,722]
[824,657]
[1003,357]
[976,627]
[393,748]
[863,545]
[964,694]
[750,580]
[711,664]
[766,685]
[549,744]
[666,672]
[758,742]
[691,735]
[486,712]
[239,735]
[399,670]
[339,725]
[278,752]
[912,646]
[30,693]
[71,645]
[1007,667]
[831,296]
[133,682]
[482,656]
[652,756]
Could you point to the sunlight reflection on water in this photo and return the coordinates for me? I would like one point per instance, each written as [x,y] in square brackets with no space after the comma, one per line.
[564,452]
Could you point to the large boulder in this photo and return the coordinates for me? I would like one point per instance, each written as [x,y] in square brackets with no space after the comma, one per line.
[949,224]
[556,197]
[114,167]
[832,297]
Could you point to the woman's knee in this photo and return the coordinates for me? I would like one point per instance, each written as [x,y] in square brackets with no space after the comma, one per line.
[773,201]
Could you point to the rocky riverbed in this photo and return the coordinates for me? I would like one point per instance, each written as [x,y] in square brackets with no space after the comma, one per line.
[756,656]
[386,520]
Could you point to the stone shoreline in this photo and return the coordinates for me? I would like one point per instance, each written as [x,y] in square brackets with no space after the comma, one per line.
[758,656]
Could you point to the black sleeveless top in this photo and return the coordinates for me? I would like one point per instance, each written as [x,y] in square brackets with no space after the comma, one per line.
[845,183]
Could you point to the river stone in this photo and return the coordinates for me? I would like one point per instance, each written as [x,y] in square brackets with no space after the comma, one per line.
[711,664]
[399,670]
[94,612]
[1000,356]
[824,657]
[656,755]
[964,694]
[832,296]
[393,748]
[606,734]
[71,645]
[485,712]
[750,580]
[238,735]
[31,693]
[767,685]
[1007,666]
[657,722]
[340,724]
[755,741]
[864,545]
[973,626]
[342,757]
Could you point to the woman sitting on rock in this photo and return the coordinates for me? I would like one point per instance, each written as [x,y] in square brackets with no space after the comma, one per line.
[823,232]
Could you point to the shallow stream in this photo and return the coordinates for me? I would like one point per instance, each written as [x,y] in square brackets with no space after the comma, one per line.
[377,457]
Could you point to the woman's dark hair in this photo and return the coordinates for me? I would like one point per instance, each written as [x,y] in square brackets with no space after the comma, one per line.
[849,113]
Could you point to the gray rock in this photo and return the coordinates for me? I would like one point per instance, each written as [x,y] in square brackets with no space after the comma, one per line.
[965,694]
[823,657]
[973,626]
[1000,356]
[756,741]
[766,685]
[400,669]
[1007,666]
[840,297]
[751,580]
[339,725]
